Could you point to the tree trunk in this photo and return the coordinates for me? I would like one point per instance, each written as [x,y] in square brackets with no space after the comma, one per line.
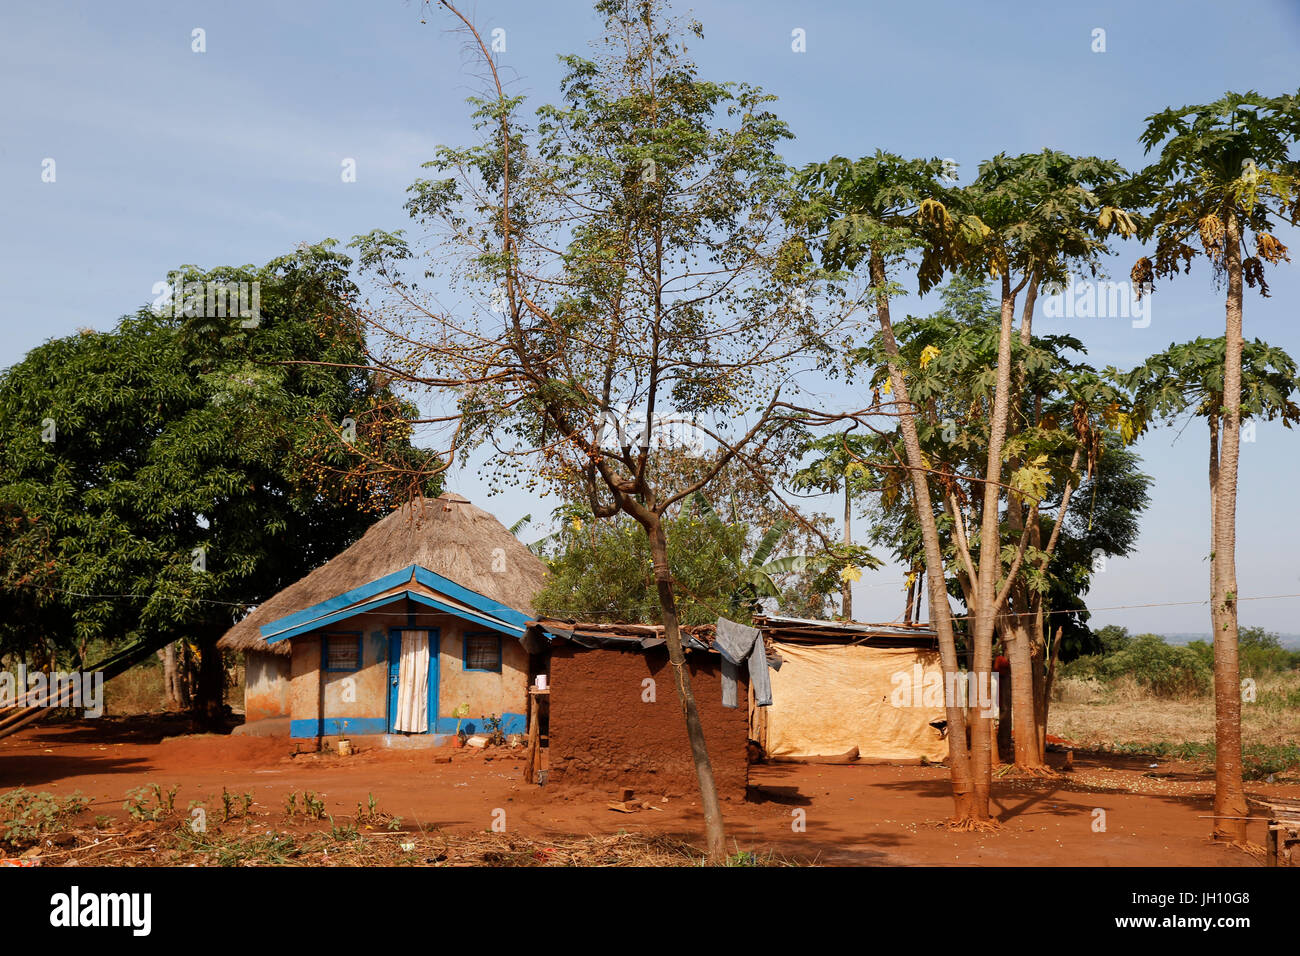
[1006,751]
[185,676]
[713,827]
[1044,699]
[846,588]
[971,804]
[990,548]
[172,695]
[1229,794]
[1024,715]
[209,700]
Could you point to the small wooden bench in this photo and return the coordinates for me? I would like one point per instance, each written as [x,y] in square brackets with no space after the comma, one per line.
[1282,840]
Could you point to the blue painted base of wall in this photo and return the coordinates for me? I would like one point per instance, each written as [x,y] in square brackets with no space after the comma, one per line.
[333,727]
[510,724]
[361,726]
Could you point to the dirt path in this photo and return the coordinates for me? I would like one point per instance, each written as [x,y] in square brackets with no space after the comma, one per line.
[849,814]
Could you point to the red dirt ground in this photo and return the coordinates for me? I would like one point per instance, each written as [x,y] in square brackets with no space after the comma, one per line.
[856,815]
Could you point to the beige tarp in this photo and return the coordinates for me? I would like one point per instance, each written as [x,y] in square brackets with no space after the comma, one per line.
[829,698]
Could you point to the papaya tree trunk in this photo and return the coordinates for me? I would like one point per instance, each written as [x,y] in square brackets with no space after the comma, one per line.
[969,804]
[1024,713]
[1229,794]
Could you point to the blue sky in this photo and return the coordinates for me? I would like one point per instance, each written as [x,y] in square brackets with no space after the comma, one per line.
[165,156]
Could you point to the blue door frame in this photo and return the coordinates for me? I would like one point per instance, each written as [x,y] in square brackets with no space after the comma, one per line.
[394,670]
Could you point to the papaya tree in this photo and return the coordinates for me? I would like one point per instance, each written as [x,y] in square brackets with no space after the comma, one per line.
[1225,174]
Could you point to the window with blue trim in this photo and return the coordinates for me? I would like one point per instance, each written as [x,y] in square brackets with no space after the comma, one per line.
[482,651]
[342,653]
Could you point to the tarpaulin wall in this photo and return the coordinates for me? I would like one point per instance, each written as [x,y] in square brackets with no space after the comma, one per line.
[828,698]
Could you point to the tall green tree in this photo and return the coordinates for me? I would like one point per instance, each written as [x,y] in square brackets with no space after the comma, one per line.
[1043,216]
[628,278]
[1023,221]
[1226,173]
[1060,430]
[161,478]
[864,213]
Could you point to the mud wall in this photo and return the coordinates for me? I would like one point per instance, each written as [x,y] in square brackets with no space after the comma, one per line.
[266,686]
[504,693]
[609,728]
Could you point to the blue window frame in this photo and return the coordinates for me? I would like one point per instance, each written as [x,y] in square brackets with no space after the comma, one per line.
[481,651]
[341,653]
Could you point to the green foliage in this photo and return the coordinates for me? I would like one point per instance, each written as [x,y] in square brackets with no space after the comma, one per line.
[312,808]
[1112,638]
[639,266]
[1166,670]
[1259,653]
[138,807]
[26,818]
[1188,378]
[162,476]
[1232,158]
[270,849]
[602,570]
[1258,760]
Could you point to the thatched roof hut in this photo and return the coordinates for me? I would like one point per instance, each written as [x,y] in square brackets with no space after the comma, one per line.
[447,535]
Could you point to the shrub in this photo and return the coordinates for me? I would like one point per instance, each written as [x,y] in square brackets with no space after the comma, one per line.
[1164,669]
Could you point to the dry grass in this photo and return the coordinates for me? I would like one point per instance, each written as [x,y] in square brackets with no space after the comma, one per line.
[1096,715]
[137,691]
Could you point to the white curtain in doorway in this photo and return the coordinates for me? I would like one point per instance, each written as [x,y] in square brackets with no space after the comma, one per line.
[413,684]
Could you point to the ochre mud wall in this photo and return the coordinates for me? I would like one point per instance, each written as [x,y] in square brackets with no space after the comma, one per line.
[604,733]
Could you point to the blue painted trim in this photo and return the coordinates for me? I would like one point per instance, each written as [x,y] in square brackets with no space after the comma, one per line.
[472,598]
[378,586]
[507,629]
[426,577]
[394,671]
[510,724]
[325,654]
[343,615]
[334,618]
[464,652]
[333,726]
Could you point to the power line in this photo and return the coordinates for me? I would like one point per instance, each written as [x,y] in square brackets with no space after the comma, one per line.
[961,617]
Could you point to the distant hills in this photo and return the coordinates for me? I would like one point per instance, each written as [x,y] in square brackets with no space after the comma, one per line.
[1289,641]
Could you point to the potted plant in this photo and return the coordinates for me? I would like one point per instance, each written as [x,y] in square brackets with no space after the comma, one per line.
[344,744]
[460,713]
[496,730]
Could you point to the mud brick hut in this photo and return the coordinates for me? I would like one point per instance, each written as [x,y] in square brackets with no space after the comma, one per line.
[423,614]
[614,720]
[847,685]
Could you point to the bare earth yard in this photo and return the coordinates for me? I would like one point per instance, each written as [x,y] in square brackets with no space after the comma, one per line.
[855,815]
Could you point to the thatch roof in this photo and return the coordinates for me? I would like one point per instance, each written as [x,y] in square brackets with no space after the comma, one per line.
[447,535]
